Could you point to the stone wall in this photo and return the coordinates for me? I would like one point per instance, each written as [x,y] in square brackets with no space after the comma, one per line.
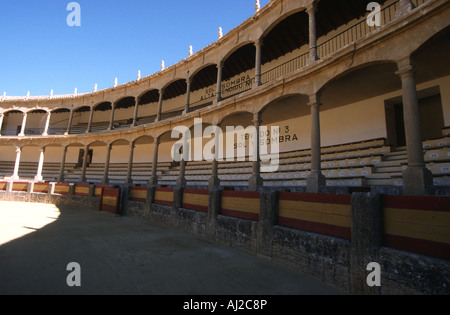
[337,261]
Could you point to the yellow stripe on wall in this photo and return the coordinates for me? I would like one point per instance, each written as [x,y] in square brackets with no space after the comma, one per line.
[20,186]
[142,194]
[62,189]
[109,201]
[419,224]
[164,195]
[250,205]
[333,214]
[81,190]
[194,199]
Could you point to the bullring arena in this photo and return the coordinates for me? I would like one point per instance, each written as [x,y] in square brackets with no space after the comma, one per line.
[356,117]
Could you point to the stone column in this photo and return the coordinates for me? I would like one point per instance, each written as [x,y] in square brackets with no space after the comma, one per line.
[188,94]
[136,111]
[17,163]
[219,83]
[38,176]
[63,163]
[416,177]
[1,122]
[24,122]
[214,181]
[366,240]
[69,124]
[111,119]
[405,7]
[129,180]
[161,93]
[258,45]
[315,179]
[311,10]
[181,180]
[256,180]
[47,124]
[154,179]
[91,118]
[105,179]
[83,169]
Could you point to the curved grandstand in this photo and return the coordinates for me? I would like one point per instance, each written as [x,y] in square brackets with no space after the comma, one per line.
[273,69]
[354,109]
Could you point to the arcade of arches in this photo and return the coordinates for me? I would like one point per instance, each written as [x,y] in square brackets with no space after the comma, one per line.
[356,106]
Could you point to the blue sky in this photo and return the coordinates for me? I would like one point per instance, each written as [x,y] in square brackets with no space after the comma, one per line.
[40,52]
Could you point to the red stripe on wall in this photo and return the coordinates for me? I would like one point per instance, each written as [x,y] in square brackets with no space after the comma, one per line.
[195,207]
[240,214]
[164,202]
[424,247]
[138,188]
[435,203]
[164,189]
[319,198]
[196,191]
[321,228]
[241,194]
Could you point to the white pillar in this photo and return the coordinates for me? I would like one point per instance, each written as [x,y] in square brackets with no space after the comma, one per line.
[136,111]
[47,124]
[1,122]
[24,122]
[17,163]
[62,166]
[38,176]
[69,124]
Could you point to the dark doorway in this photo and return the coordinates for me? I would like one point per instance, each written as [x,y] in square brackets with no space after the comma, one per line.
[81,156]
[431,117]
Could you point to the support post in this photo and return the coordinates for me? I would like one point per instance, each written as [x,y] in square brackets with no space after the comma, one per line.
[315,179]
[416,178]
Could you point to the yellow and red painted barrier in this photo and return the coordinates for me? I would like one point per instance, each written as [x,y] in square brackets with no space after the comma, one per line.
[81,190]
[98,191]
[41,188]
[318,213]
[61,189]
[20,186]
[419,224]
[110,200]
[241,204]
[164,196]
[3,186]
[196,199]
[138,194]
